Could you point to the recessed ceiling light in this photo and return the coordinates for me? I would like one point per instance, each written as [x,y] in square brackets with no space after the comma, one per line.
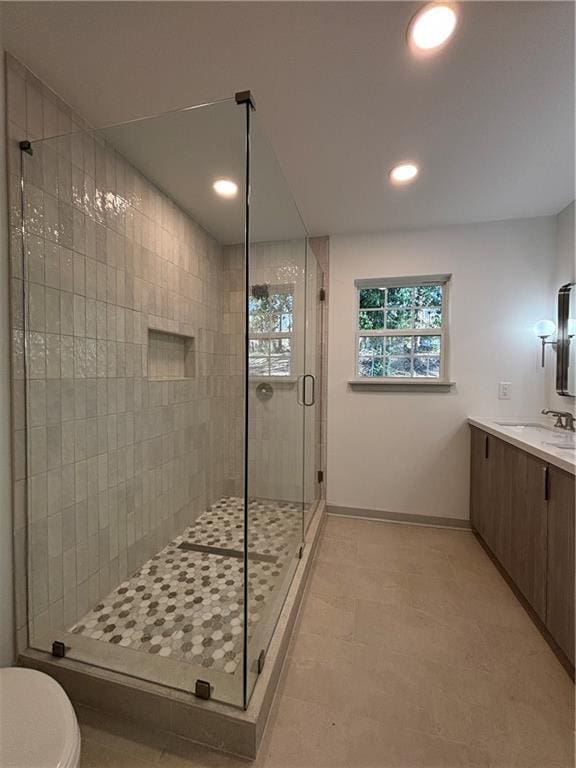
[225,188]
[432,26]
[403,173]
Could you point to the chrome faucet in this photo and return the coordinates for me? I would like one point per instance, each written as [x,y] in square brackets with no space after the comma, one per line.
[564,419]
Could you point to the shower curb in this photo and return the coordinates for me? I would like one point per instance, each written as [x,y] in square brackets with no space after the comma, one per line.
[168,711]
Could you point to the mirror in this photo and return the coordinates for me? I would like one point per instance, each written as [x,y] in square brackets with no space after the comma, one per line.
[566,344]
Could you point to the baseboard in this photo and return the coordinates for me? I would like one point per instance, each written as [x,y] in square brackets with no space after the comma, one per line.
[399,517]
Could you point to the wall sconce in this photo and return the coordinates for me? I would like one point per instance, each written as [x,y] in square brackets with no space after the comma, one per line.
[544,329]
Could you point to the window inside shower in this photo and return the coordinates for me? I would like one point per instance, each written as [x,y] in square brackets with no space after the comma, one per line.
[165,502]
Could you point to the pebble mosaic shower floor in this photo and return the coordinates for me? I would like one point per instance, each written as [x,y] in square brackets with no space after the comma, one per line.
[186,602]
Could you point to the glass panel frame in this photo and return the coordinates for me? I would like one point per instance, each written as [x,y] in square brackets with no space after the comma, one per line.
[92,345]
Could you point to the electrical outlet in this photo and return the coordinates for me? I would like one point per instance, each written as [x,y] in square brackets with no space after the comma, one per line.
[505,390]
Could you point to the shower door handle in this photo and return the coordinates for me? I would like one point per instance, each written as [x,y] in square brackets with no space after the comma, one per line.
[300,383]
[313,397]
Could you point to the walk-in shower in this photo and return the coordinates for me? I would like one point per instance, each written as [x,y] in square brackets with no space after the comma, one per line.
[168,357]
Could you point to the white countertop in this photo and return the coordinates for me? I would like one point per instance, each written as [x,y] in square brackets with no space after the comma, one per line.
[537,437]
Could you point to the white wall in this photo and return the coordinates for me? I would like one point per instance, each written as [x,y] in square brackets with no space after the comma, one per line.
[6,564]
[564,272]
[408,452]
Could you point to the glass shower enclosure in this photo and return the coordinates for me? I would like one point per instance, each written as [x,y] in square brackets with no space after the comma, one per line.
[170,362]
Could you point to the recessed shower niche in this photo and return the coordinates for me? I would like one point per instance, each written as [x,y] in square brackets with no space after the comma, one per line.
[170,356]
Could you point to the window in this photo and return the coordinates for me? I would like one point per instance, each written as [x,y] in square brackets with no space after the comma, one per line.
[271,318]
[401,327]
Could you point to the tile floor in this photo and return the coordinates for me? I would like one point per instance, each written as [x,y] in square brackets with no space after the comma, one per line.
[187,602]
[411,653]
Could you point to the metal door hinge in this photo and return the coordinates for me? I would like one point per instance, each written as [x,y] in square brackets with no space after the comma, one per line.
[320,476]
[202,689]
[245,97]
[261,660]
[58,649]
[486,446]
[546,484]
[301,552]
[322,294]
[26,146]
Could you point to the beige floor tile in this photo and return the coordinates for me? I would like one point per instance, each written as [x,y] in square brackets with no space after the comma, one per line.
[405,557]
[119,735]
[392,747]
[330,616]
[352,582]
[406,630]
[337,551]
[180,753]
[412,652]
[306,735]
[96,755]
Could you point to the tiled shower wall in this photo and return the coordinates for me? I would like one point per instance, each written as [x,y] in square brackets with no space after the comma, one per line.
[118,464]
[277,432]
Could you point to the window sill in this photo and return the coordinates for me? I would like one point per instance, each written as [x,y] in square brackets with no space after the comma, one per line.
[402,384]
[273,379]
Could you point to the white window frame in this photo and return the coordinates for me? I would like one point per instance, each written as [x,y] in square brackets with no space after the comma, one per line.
[287,288]
[443,331]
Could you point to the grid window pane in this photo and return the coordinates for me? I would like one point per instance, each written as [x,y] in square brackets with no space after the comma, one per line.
[372,298]
[399,345]
[280,365]
[427,366]
[428,318]
[260,322]
[399,318]
[399,366]
[258,366]
[372,319]
[372,366]
[370,346]
[259,347]
[428,296]
[427,344]
[400,297]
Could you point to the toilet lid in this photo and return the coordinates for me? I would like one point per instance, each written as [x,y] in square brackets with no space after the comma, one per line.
[38,726]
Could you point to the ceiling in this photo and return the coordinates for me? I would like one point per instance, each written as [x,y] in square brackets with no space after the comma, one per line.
[490,119]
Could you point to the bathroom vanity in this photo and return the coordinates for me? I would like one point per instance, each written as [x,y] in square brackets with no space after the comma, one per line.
[522,507]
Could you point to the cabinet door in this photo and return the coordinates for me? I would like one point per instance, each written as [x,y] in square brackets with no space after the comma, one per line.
[528,528]
[498,515]
[479,480]
[490,492]
[560,601]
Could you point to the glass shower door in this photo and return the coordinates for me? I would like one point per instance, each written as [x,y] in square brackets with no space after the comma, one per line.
[276,364]
[312,395]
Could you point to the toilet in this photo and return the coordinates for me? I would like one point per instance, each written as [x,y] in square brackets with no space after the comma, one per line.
[38,726]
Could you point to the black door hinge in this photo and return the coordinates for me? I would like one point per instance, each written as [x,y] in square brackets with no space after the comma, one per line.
[26,146]
[58,649]
[320,476]
[245,97]
[322,294]
[202,689]
[261,660]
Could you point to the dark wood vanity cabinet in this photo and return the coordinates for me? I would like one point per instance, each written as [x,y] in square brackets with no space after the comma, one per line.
[560,586]
[523,509]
